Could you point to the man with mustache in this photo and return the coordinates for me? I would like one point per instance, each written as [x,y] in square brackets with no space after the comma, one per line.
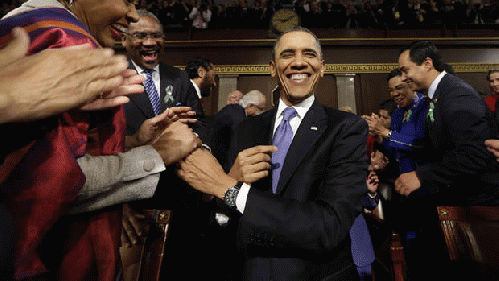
[144,42]
[165,87]
[297,207]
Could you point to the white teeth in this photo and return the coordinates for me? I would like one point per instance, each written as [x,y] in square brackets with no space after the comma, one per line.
[118,28]
[299,76]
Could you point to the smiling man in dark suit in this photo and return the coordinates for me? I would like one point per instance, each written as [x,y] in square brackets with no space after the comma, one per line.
[462,171]
[295,219]
[167,85]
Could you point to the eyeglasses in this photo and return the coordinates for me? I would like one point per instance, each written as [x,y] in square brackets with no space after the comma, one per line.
[143,35]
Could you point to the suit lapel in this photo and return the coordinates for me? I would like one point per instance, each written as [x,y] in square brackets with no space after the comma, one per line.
[311,128]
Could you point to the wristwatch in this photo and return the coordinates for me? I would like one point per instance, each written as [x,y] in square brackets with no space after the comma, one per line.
[231,194]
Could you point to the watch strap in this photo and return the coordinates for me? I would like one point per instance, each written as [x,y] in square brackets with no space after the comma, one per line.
[230,195]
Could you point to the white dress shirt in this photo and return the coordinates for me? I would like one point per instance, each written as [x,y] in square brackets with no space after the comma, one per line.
[434,84]
[198,91]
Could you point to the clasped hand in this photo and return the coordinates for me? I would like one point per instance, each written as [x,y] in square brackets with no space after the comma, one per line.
[407,183]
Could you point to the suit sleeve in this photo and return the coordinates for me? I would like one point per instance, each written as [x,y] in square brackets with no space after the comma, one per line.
[334,178]
[118,178]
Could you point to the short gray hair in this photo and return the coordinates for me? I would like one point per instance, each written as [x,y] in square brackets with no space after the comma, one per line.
[252,97]
[146,13]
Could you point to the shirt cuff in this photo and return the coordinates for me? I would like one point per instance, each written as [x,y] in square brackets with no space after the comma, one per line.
[242,197]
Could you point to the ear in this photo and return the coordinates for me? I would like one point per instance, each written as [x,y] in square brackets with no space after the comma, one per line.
[428,63]
[323,68]
[272,68]
[201,72]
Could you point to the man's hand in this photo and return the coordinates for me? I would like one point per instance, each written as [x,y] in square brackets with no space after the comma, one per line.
[406,183]
[203,172]
[493,146]
[252,164]
[135,226]
[55,80]
[151,130]
[372,182]
[176,142]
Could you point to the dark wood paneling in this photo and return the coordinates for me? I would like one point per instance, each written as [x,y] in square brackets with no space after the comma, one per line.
[373,90]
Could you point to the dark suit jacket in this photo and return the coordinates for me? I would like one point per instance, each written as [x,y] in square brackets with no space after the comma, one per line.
[462,171]
[173,193]
[173,81]
[302,233]
[224,126]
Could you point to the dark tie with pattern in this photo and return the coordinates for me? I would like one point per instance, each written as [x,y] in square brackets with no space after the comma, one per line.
[282,140]
[151,91]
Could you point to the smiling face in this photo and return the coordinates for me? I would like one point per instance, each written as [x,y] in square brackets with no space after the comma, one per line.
[105,19]
[144,42]
[414,75]
[400,92]
[298,66]
[494,82]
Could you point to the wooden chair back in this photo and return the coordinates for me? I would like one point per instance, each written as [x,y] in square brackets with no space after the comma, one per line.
[472,238]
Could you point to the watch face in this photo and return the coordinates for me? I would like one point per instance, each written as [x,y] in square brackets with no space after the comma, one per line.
[285,19]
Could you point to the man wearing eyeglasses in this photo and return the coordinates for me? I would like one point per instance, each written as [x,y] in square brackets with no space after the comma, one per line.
[165,85]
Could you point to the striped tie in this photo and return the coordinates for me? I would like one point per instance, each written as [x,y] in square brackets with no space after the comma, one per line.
[151,91]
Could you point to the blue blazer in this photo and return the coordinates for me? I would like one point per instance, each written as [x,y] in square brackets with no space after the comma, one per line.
[407,140]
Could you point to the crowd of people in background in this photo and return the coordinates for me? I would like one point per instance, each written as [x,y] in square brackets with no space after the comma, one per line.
[232,14]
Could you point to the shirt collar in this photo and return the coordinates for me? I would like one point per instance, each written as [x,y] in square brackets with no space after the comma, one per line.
[140,70]
[198,91]
[301,108]
[434,84]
